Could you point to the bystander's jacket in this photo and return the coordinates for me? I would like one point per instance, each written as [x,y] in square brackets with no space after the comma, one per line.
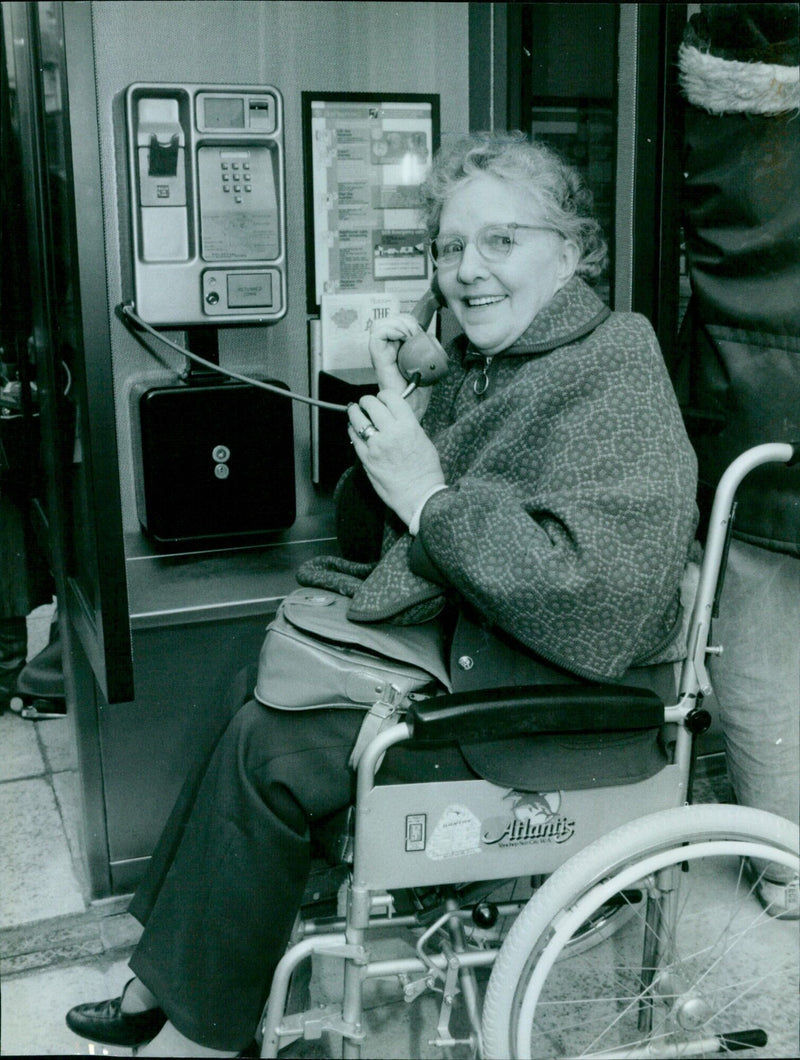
[738,368]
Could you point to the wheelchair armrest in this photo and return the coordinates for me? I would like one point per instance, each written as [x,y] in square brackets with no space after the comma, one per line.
[495,713]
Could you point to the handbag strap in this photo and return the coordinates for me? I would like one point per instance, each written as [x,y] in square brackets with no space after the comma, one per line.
[381,715]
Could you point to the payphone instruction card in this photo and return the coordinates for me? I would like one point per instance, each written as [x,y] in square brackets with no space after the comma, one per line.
[368,162]
[346,321]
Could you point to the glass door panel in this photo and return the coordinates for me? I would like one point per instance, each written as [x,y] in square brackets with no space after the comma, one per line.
[597,81]
[70,344]
[569,77]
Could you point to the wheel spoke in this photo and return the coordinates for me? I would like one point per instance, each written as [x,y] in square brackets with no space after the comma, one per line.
[720,965]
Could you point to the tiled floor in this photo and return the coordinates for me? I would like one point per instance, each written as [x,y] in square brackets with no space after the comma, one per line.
[54,945]
[57,949]
[39,806]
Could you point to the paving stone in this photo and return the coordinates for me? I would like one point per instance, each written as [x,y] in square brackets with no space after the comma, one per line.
[35,1004]
[21,756]
[36,872]
[58,741]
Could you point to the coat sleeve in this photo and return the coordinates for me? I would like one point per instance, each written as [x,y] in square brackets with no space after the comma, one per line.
[360,516]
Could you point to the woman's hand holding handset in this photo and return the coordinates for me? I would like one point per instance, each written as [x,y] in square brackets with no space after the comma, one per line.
[400,460]
[386,338]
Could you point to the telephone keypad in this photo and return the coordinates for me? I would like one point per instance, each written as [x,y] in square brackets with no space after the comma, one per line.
[238,203]
[236,176]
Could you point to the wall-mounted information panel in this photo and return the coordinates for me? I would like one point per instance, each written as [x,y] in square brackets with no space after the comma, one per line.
[207,203]
[366,157]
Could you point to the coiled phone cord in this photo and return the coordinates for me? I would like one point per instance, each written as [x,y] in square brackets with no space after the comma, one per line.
[129,312]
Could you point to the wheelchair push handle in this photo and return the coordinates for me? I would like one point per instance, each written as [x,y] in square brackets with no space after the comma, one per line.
[771,452]
[768,453]
[719,529]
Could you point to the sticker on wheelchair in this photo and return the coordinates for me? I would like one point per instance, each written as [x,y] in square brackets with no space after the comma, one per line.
[533,817]
[456,834]
[525,819]
[416,831]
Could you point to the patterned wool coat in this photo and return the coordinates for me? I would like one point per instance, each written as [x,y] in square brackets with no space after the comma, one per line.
[570,504]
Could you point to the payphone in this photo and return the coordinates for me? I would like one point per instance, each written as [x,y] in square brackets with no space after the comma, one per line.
[207,217]
[207,203]
[213,459]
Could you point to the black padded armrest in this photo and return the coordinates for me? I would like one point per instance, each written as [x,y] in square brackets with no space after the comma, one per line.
[495,713]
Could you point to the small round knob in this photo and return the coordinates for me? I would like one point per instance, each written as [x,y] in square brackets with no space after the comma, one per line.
[698,721]
[485,914]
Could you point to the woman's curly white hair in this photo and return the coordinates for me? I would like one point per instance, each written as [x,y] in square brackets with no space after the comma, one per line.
[564,199]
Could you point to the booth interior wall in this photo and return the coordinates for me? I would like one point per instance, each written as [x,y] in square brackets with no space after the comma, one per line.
[347,47]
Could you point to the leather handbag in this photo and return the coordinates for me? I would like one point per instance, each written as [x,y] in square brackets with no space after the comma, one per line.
[313,656]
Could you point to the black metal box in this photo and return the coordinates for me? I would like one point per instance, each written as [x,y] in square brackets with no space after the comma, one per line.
[215,462]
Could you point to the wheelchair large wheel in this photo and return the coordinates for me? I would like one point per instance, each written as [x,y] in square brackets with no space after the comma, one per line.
[700,967]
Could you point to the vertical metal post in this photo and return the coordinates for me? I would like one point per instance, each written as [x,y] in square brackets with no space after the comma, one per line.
[358,910]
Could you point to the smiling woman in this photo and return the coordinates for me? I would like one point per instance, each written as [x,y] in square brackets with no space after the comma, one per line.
[537,501]
[495,297]
[533,469]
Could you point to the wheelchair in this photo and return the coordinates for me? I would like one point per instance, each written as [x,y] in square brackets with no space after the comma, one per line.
[635,927]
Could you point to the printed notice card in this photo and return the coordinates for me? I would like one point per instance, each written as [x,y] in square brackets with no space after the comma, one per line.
[346,321]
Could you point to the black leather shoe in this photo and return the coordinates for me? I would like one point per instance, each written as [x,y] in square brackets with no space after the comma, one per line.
[105,1022]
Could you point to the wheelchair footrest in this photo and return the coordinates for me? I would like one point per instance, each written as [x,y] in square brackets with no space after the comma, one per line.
[312,1024]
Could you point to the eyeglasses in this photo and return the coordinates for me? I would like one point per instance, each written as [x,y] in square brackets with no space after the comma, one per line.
[493,242]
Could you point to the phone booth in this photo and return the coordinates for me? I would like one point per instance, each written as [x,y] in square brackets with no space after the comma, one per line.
[179,505]
[128,136]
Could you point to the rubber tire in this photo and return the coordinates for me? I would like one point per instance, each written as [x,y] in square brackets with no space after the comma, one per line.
[626,846]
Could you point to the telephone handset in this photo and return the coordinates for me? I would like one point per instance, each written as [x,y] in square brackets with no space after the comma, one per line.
[422,359]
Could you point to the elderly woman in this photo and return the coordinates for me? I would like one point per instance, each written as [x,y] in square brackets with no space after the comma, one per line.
[544,499]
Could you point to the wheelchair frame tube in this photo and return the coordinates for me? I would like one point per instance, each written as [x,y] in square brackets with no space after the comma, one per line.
[368,766]
[772,452]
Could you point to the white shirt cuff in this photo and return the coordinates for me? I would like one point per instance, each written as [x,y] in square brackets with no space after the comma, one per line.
[413,526]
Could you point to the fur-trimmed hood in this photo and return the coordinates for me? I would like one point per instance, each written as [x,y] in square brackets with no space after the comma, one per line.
[726,86]
[742,59]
